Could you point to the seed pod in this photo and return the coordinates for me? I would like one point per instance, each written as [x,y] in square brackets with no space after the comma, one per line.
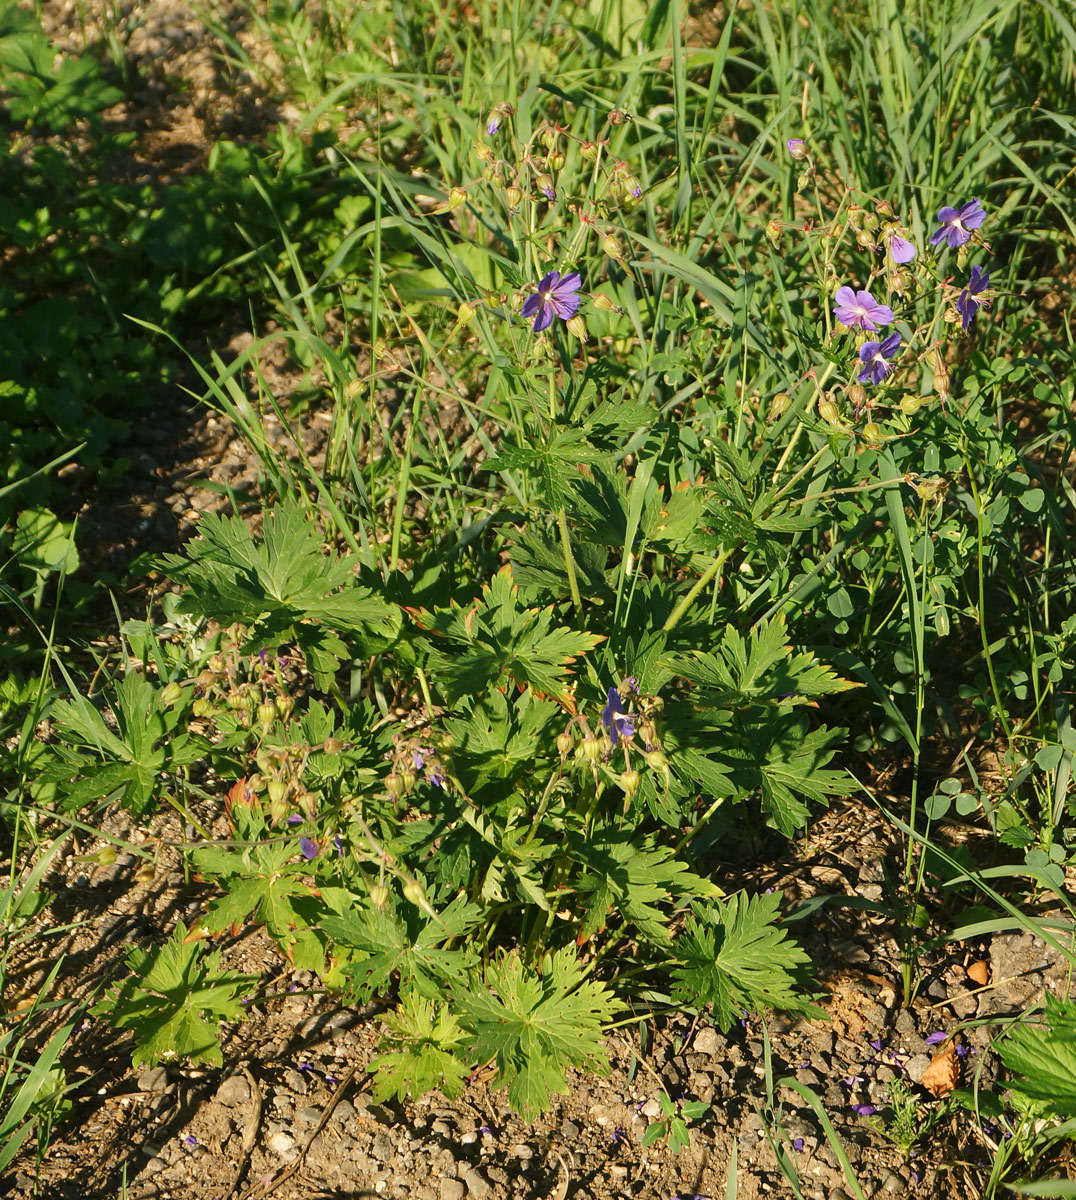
[513,196]
[172,694]
[278,789]
[857,393]
[266,715]
[590,151]
[629,781]
[465,313]
[657,759]
[779,405]
[415,893]
[285,704]
[564,744]
[379,896]
[332,745]
[394,785]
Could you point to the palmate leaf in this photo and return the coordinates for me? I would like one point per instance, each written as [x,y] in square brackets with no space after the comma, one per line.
[419,1051]
[553,463]
[734,957]
[633,880]
[405,943]
[174,1000]
[495,642]
[1042,1057]
[535,1025]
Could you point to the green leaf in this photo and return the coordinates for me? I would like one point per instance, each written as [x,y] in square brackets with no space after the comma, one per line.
[420,1051]
[535,1025]
[1043,1057]
[174,1000]
[734,957]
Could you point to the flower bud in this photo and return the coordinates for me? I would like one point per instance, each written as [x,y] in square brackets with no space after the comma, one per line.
[555,161]
[910,405]
[513,196]
[857,393]
[235,701]
[779,405]
[829,412]
[796,147]
[145,873]
[548,137]
[803,180]
[278,789]
[256,783]
[612,247]
[379,896]
[106,856]
[590,151]
[217,664]
[873,433]
[308,804]
[940,372]
[266,715]
[577,327]
[617,117]
[172,694]
[332,745]
[409,779]
[629,781]
[394,785]
[457,198]
[544,183]
[864,239]
[870,221]
[564,744]
[488,174]
[884,209]
[415,893]
[657,759]
[465,313]
[285,705]
[278,811]
[773,231]
[589,750]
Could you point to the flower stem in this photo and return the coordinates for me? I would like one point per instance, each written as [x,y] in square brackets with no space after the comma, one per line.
[678,612]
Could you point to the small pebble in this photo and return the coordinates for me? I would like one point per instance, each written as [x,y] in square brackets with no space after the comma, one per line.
[281,1143]
[521,1150]
[310,1115]
[477,1185]
[708,1041]
[154,1166]
[153,1080]
[452,1189]
[234,1090]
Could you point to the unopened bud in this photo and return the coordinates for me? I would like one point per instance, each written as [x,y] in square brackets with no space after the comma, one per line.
[544,183]
[266,715]
[555,160]
[146,873]
[564,744]
[332,746]
[548,137]
[279,810]
[284,705]
[172,694]
[870,221]
[457,198]
[308,804]
[864,239]
[900,282]
[612,247]
[394,785]
[278,789]
[513,196]
[217,664]
[657,759]
[773,231]
[910,405]
[629,781]
[873,433]
[465,313]
[415,893]
[618,117]
[884,209]
[602,301]
[379,896]
[589,750]
[779,405]
[829,412]
[106,856]
[483,152]
[590,151]
[235,701]
[857,393]
[577,327]
[803,180]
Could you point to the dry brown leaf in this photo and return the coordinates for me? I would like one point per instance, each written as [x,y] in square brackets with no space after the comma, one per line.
[943,1074]
[979,972]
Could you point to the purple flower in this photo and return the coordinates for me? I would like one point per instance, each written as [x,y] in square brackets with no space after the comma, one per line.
[966,303]
[555,297]
[294,819]
[876,1044]
[864,1110]
[338,842]
[190,1140]
[418,757]
[797,1143]
[860,310]
[309,848]
[957,223]
[901,250]
[305,1066]
[617,1136]
[933,1039]
[796,147]
[874,356]
[615,719]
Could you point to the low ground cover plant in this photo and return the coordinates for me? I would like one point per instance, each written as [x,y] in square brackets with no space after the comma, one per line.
[698,448]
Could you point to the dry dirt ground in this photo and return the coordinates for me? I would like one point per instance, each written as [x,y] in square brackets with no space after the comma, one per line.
[290,1115]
